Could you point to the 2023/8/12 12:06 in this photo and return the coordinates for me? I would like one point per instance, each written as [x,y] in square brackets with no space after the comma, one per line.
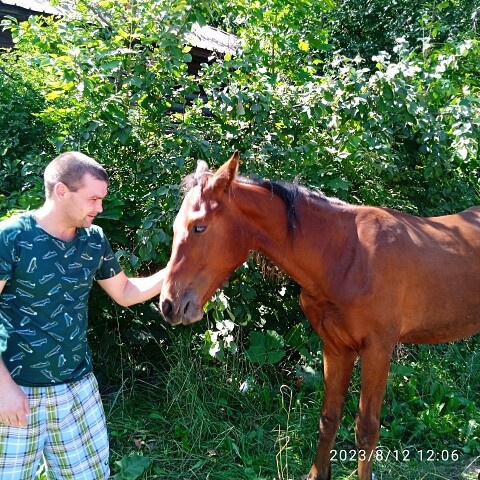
[382,454]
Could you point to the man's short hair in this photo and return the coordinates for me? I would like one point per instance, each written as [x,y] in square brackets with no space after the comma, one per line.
[69,169]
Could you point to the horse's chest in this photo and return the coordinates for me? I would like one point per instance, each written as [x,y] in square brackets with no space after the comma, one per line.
[326,319]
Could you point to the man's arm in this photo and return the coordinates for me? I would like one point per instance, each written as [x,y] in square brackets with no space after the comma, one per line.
[129,291]
[14,406]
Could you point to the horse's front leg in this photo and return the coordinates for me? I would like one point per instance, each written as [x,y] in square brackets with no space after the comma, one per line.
[374,373]
[338,366]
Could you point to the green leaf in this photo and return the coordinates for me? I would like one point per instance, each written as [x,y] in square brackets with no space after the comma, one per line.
[54,94]
[296,336]
[112,65]
[132,467]
[265,347]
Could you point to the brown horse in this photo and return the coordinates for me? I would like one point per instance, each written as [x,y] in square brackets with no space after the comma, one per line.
[370,277]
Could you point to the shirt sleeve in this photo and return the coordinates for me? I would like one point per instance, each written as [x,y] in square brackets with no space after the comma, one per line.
[7,258]
[7,250]
[3,338]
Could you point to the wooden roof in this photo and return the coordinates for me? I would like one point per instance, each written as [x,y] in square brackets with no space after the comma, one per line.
[31,7]
[22,9]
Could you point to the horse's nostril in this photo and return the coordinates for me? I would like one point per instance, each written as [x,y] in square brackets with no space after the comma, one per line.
[167,308]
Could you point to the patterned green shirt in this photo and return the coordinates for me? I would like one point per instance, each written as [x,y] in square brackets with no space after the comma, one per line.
[44,304]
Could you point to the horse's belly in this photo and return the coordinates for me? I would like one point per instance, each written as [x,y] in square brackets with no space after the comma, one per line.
[441,327]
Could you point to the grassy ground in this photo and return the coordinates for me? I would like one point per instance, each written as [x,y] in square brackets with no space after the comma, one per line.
[191,418]
[195,419]
[152,439]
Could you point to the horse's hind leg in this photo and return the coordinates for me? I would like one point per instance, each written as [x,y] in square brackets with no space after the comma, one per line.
[338,366]
[375,367]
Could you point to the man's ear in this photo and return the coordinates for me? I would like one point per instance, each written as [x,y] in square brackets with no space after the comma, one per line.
[59,190]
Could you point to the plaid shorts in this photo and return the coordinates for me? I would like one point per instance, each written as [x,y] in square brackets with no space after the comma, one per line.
[67,427]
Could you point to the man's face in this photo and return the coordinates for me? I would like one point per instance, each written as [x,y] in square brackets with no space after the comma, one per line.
[83,205]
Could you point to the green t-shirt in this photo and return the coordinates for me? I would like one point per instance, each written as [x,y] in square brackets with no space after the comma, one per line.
[44,304]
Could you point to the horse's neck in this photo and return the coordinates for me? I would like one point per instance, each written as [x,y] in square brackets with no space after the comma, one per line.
[263,219]
[316,241]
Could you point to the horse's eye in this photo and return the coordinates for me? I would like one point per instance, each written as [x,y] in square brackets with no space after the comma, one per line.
[198,229]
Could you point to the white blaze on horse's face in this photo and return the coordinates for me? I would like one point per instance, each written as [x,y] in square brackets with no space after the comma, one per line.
[180,299]
[201,256]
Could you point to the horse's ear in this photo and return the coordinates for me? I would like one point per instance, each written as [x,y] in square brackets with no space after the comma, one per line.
[202,168]
[225,175]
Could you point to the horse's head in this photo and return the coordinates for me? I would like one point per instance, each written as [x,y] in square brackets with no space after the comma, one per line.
[206,244]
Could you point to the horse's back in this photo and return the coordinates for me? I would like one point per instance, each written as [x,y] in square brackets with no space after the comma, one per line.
[469,218]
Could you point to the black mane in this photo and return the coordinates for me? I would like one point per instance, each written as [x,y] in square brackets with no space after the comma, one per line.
[287,192]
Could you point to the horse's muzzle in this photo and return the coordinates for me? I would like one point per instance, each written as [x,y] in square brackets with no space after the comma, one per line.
[166,307]
[184,310]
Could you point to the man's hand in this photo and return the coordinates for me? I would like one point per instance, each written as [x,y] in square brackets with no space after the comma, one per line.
[14,406]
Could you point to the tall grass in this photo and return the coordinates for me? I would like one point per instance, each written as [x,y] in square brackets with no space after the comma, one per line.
[192,420]
[190,417]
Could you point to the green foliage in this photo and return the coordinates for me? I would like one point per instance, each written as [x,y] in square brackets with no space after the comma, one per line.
[265,348]
[131,467]
[434,401]
[376,26]
[24,138]
[275,32]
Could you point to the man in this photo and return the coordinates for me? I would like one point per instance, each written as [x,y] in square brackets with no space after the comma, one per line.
[49,258]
